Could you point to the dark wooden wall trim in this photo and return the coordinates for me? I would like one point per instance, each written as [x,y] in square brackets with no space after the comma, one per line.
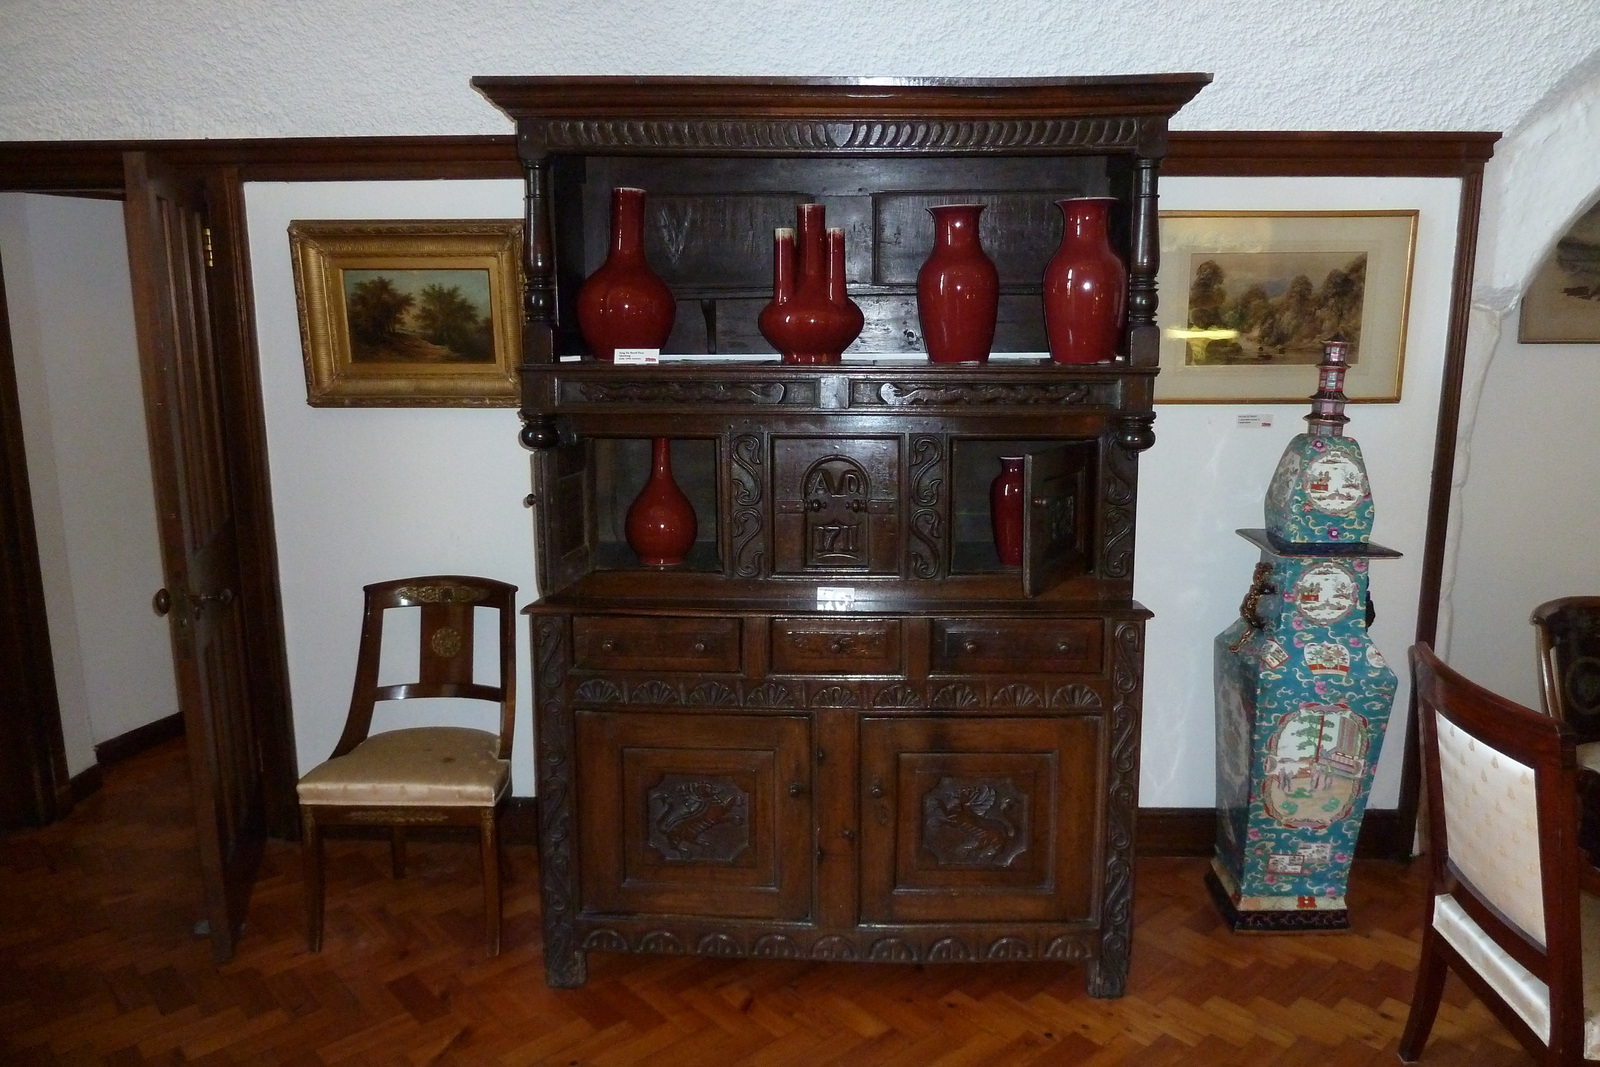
[139,739]
[34,787]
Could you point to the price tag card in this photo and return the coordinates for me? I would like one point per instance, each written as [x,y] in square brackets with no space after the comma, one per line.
[835,597]
[638,356]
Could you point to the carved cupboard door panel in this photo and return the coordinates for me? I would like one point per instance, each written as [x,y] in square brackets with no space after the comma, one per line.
[1058,514]
[836,505]
[979,820]
[694,814]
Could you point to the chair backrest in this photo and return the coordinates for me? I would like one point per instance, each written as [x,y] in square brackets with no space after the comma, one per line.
[1502,825]
[449,604]
[1569,661]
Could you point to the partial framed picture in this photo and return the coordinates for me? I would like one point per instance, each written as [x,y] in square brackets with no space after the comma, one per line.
[1248,297]
[1562,304]
[409,314]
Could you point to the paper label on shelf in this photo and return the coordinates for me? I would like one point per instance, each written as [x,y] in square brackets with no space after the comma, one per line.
[1248,422]
[835,597]
[638,356]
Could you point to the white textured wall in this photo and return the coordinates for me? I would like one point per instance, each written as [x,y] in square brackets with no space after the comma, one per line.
[231,68]
[66,268]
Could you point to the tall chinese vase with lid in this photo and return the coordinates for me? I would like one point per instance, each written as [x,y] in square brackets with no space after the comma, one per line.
[1302,695]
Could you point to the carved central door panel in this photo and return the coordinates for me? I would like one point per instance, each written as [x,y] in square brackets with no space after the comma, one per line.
[979,819]
[836,505]
[709,814]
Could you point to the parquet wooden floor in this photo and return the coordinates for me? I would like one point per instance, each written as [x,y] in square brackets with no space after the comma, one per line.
[99,964]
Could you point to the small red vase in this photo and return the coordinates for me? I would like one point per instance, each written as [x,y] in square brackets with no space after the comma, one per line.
[624,304]
[810,318]
[1085,286]
[1005,510]
[958,289]
[661,523]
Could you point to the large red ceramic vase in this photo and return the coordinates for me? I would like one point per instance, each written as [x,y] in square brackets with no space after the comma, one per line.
[661,523]
[810,318]
[1005,510]
[1085,286]
[958,289]
[624,304]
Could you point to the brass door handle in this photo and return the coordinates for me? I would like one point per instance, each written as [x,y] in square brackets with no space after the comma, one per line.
[161,603]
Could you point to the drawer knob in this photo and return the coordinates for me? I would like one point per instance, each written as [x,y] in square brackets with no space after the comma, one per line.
[795,789]
[838,645]
[608,645]
[877,789]
[969,646]
[699,646]
[848,834]
[1063,645]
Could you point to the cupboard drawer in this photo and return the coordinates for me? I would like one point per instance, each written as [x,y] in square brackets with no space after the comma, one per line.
[623,643]
[1008,646]
[835,646]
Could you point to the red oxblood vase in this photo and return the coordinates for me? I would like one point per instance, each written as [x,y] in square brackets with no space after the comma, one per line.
[624,304]
[810,319]
[1005,510]
[1085,286]
[958,289]
[661,523]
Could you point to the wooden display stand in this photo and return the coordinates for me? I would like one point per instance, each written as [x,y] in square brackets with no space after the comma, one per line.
[841,729]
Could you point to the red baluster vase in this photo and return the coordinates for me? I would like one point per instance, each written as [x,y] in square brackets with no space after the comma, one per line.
[661,523]
[1005,510]
[958,289]
[810,318]
[624,304]
[1085,286]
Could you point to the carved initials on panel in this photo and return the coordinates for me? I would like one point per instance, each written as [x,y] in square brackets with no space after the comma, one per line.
[975,822]
[696,819]
[836,492]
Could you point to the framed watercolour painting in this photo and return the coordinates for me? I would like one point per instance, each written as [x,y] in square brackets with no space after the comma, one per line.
[1562,304]
[1247,298]
[409,314]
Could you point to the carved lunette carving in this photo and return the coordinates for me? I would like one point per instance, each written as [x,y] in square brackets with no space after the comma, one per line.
[862,136]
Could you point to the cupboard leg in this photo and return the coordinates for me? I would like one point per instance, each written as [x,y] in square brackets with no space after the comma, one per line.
[311,877]
[1108,978]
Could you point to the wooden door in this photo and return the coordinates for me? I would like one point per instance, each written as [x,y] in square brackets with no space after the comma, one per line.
[1058,500]
[168,258]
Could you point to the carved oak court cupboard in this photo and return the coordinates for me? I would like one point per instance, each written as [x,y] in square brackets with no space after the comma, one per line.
[841,729]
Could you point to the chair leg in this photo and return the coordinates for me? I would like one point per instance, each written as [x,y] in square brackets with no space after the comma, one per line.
[397,850]
[311,876]
[489,845]
[1425,998]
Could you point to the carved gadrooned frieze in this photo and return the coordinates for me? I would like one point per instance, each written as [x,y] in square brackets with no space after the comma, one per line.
[908,136]
[698,819]
[975,822]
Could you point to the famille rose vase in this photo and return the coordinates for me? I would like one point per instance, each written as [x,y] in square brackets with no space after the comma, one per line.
[810,318]
[1302,695]
[1005,510]
[661,525]
[1085,285]
[623,304]
[958,289]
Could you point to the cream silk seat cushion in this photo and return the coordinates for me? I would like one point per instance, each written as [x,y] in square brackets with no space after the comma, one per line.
[430,766]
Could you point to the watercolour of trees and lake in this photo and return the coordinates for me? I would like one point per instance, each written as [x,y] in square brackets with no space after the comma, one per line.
[1262,308]
[419,316]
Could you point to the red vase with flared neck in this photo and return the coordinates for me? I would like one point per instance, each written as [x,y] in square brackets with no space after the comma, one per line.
[1085,286]
[810,319]
[958,289]
[661,523]
[1005,510]
[624,304]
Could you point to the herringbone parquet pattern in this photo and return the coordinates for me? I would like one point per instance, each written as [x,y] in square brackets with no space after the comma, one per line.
[99,964]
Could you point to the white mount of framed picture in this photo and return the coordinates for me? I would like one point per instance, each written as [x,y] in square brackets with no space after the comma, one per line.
[1249,297]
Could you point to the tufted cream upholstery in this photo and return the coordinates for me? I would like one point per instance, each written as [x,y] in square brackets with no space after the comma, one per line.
[1494,825]
[435,766]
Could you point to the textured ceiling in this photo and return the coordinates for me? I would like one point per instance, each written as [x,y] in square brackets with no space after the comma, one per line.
[230,68]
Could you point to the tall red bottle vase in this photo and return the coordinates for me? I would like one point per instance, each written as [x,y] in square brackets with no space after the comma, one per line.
[623,304]
[661,523]
[811,319]
[1085,286]
[958,289]
[1005,510]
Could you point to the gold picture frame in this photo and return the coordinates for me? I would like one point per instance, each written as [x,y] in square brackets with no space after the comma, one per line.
[1562,303]
[409,314]
[1247,297]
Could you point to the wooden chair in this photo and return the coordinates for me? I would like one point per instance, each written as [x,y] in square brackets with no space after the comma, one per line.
[1506,910]
[1568,632]
[424,776]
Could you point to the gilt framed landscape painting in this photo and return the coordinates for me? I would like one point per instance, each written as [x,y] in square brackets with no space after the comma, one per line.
[409,314]
[1562,304]
[1248,297]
